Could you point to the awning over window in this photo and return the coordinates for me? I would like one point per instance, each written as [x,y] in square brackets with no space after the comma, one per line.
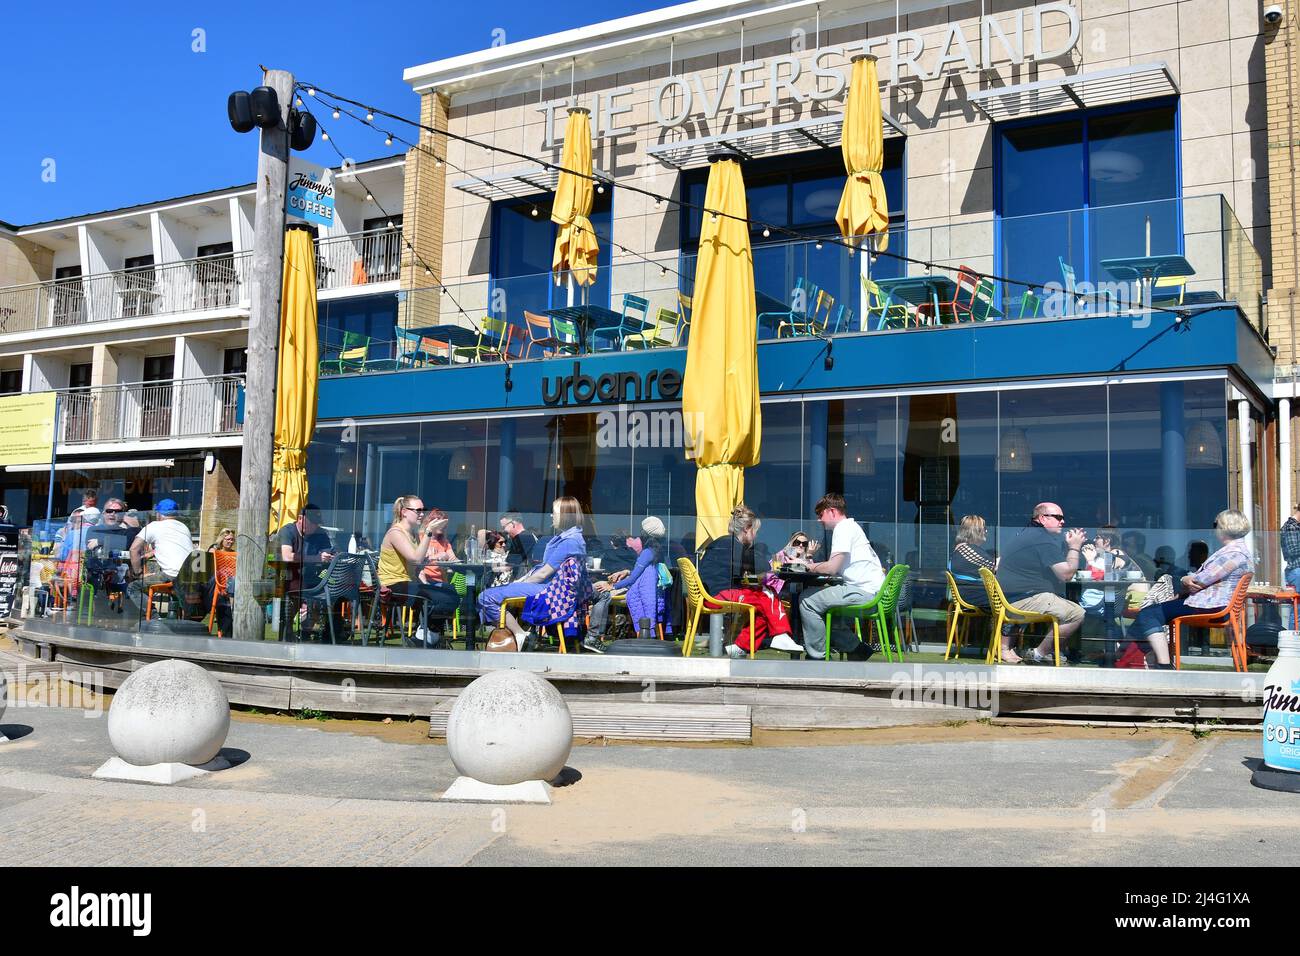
[815,132]
[1122,84]
[518,183]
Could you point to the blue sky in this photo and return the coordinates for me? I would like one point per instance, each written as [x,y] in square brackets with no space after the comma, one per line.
[129,112]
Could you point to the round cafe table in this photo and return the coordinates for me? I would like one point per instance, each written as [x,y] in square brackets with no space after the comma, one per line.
[1113,587]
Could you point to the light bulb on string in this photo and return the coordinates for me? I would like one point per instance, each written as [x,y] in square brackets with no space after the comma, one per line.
[336,114]
[388,140]
[324,135]
[767,233]
[369,116]
[311,91]
[369,198]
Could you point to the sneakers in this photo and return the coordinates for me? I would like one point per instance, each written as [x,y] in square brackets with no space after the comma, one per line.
[862,652]
[784,642]
[1032,656]
[735,651]
[593,644]
[528,642]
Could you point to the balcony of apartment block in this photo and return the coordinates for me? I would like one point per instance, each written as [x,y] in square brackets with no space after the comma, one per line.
[366,262]
[196,411]
[1149,262]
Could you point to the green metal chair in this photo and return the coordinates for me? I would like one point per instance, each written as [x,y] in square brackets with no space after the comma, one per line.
[490,345]
[350,357]
[881,611]
[1031,306]
[981,306]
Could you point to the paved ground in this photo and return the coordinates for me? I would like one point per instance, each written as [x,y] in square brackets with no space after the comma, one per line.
[974,794]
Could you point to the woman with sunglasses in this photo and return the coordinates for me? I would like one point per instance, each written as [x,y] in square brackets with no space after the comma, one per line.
[406,547]
[798,551]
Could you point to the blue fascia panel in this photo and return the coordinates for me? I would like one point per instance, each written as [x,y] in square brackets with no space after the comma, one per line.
[959,354]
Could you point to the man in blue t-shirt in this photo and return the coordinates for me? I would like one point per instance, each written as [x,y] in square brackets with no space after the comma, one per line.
[1032,572]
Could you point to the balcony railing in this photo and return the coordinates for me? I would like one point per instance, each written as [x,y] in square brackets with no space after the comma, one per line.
[194,285]
[135,411]
[361,259]
[1071,263]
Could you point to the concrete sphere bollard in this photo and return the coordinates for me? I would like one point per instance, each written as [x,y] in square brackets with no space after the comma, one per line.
[509,727]
[169,712]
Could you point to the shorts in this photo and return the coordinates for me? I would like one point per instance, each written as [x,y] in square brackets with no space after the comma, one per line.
[1045,602]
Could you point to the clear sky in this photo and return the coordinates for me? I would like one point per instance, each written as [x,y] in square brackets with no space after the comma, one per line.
[121,103]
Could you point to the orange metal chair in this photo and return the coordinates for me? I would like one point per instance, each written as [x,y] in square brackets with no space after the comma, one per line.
[154,591]
[1231,617]
[223,571]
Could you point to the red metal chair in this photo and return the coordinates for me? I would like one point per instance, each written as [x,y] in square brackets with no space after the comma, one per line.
[962,301]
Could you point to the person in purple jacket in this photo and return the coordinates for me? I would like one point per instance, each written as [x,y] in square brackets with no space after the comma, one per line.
[566,520]
[640,585]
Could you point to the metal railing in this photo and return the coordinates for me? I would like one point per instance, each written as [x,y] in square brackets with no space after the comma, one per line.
[132,411]
[194,285]
[361,259]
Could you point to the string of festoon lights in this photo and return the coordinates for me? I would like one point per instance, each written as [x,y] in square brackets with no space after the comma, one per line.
[535,210]
[335,102]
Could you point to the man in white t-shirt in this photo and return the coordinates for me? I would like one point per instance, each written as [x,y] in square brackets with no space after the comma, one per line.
[851,556]
[170,541]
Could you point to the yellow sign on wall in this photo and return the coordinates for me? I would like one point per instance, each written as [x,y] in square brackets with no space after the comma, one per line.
[27,429]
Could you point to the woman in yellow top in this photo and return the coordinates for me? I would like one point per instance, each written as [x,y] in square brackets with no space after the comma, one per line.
[406,547]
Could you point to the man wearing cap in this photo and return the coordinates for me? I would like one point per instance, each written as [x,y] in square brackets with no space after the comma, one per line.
[170,544]
[640,585]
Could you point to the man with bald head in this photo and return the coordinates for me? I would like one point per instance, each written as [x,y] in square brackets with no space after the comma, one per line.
[1033,570]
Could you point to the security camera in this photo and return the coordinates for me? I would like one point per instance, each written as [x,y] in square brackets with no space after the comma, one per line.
[1273,13]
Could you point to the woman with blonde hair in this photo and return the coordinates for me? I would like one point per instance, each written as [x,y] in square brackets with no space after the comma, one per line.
[225,540]
[968,556]
[727,559]
[1206,591]
[403,553]
[567,542]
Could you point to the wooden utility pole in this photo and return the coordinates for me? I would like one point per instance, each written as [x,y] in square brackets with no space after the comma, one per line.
[259,388]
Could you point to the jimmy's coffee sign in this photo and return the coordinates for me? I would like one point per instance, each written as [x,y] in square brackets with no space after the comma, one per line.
[311,193]
[580,389]
[750,88]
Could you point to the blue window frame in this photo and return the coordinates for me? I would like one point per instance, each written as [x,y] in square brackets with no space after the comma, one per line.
[1082,188]
[522,247]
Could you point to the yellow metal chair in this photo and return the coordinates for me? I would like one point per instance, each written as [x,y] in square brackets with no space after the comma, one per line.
[700,602]
[663,335]
[516,605]
[960,614]
[1004,612]
[1176,289]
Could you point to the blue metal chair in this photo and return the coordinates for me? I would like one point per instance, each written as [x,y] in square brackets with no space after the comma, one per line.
[630,323]
[413,351]
[805,295]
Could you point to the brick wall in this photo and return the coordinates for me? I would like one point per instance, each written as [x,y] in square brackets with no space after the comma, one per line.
[422,217]
[1282,64]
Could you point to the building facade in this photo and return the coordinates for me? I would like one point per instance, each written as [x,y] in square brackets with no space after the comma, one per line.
[1035,146]
[138,319]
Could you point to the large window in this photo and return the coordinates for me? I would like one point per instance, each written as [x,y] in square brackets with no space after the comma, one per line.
[1079,191]
[1151,457]
[798,194]
[523,243]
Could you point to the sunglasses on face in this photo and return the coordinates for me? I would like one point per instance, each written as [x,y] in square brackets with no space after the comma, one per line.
[1055,517]
[418,511]
[113,511]
[800,544]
